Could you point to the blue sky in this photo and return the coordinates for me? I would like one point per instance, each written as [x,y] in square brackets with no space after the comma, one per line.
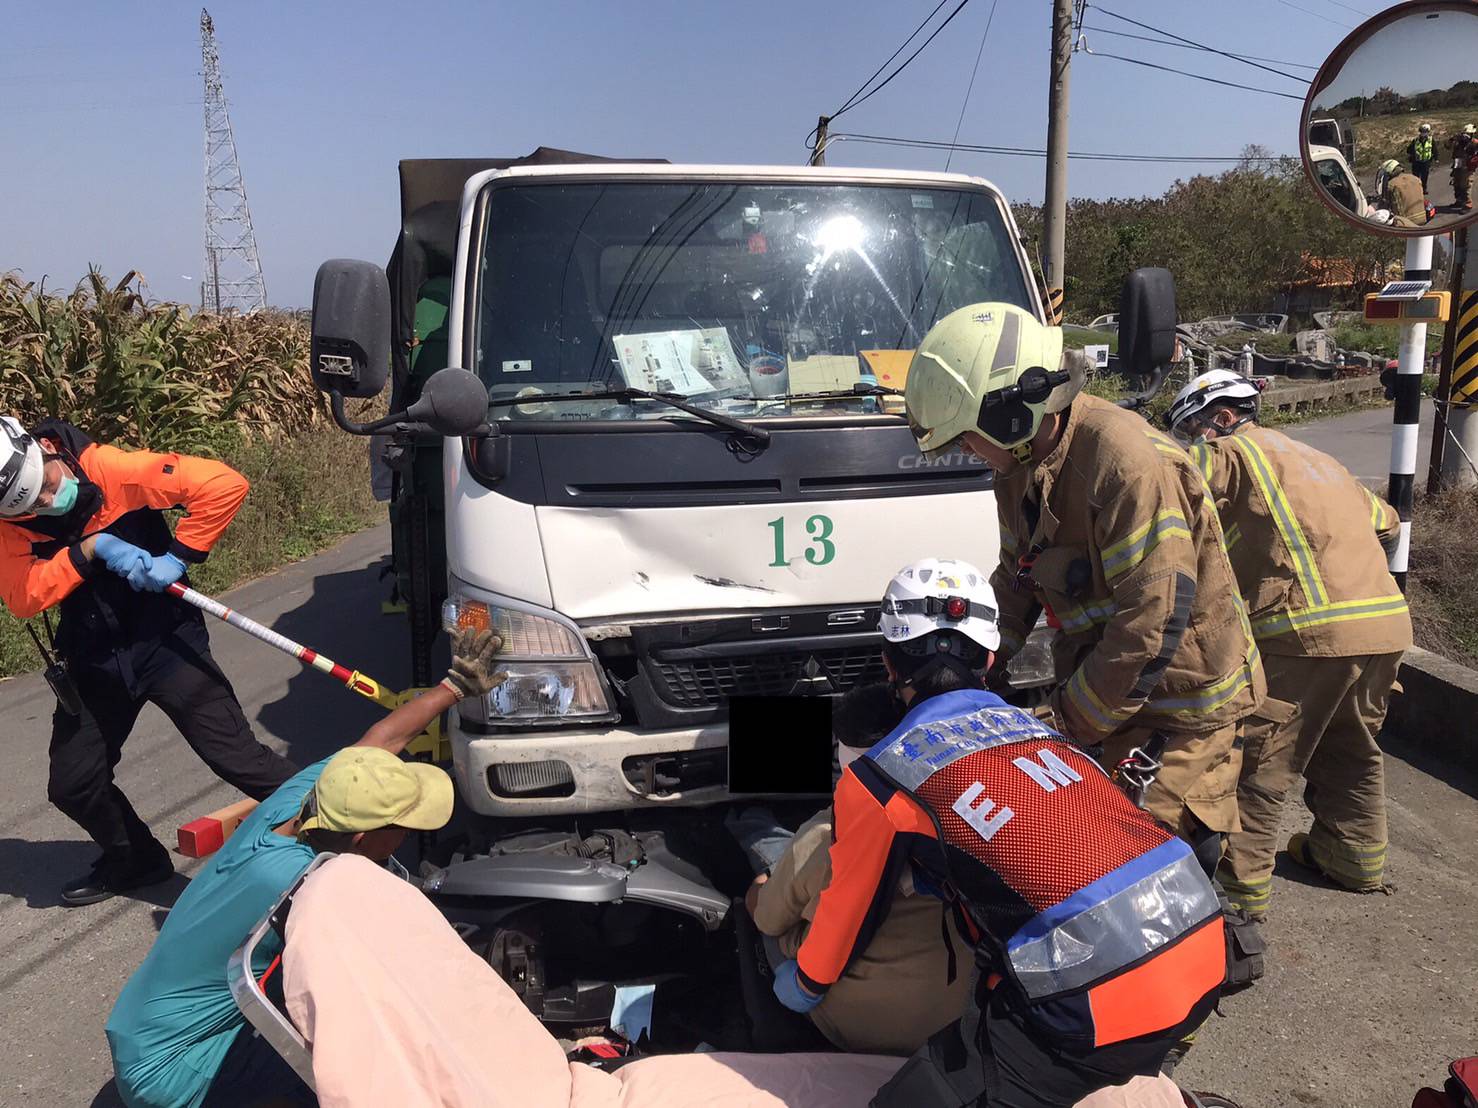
[100,113]
[1446,43]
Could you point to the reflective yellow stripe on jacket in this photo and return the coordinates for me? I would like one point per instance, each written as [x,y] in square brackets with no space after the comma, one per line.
[1345,611]
[1306,570]
[1318,610]
[1123,556]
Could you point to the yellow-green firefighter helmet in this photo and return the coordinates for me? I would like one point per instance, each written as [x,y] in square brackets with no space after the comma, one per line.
[991,368]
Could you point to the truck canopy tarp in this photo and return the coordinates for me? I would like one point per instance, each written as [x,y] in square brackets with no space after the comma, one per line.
[430,200]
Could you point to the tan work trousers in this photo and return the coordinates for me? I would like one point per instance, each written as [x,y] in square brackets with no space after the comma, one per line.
[1328,739]
[1197,777]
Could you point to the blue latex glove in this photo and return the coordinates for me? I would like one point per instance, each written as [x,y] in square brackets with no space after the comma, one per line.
[165,571]
[123,558]
[138,576]
[788,988]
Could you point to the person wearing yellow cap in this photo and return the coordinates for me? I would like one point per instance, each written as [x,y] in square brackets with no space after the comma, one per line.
[176,1036]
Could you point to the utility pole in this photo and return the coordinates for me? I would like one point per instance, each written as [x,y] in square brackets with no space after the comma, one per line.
[1444,365]
[1460,453]
[818,153]
[1054,210]
[1408,389]
[231,262]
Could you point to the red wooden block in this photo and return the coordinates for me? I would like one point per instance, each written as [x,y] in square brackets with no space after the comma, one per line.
[209,833]
[200,837]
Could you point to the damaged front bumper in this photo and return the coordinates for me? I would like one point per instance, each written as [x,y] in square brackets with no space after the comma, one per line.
[590,770]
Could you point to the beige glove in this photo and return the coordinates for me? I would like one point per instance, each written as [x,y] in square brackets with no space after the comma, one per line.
[474,656]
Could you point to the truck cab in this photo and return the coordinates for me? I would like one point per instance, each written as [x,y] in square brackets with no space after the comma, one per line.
[1330,132]
[1332,171]
[694,478]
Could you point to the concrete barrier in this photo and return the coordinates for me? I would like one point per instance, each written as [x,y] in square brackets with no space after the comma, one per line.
[1437,709]
[1317,394]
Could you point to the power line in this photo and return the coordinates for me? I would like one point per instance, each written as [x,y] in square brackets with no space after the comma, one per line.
[1033,152]
[1202,45]
[1316,15]
[1191,46]
[904,64]
[971,87]
[1351,8]
[1197,76]
[889,62]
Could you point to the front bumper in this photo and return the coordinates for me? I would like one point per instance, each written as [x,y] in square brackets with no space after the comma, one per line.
[617,769]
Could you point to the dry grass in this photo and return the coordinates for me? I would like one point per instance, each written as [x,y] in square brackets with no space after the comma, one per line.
[137,373]
[1442,582]
[1386,136]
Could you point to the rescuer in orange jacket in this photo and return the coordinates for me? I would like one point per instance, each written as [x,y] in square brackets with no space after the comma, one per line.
[82,528]
[1098,935]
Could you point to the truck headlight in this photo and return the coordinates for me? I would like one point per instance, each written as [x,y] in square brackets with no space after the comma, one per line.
[551,672]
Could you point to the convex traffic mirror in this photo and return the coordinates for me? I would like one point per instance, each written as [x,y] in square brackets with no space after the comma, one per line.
[1389,132]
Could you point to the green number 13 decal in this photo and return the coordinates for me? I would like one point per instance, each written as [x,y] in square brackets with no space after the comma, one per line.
[821,549]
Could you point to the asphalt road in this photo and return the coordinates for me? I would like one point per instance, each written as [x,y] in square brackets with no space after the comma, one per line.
[1361,440]
[1366,997]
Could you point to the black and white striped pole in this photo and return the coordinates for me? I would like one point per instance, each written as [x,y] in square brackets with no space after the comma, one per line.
[1408,391]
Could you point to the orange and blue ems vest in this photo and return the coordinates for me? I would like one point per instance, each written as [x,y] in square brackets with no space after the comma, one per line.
[1100,920]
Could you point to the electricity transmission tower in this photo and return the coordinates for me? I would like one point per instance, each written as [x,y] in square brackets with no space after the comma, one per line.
[233,271]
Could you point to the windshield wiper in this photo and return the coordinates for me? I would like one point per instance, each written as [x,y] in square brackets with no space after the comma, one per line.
[834,394]
[757,436]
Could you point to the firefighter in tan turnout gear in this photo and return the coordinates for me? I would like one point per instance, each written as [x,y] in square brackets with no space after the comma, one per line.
[1307,543]
[1106,523]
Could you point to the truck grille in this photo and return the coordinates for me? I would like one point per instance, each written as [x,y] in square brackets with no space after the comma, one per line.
[706,682]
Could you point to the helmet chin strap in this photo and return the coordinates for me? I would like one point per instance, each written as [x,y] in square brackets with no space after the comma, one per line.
[1022,452]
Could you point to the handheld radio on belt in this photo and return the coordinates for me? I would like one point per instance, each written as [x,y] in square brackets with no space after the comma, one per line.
[56,673]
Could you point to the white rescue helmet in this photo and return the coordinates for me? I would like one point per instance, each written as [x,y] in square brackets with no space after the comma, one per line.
[21,468]
[1216,386]
[940,594]
[991,368]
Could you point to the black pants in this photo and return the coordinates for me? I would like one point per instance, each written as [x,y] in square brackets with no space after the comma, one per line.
[181,677]
[253,1074]
[995,1059]
[1421,169]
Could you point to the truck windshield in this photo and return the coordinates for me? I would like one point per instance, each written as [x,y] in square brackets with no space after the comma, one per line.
[731,295]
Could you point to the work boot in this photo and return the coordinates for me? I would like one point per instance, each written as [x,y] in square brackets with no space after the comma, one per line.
[1358,869]
[111,876]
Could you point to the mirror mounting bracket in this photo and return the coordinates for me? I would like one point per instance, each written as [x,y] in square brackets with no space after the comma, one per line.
[396,424]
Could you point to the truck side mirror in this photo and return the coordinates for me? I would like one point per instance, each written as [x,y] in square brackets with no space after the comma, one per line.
[350,351]
[1147,321]
[453,403]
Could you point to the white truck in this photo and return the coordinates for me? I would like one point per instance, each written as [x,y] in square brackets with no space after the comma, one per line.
[670,467]
[1332,171]
[648,558]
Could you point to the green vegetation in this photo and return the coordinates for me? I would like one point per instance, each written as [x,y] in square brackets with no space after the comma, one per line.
[1461,96]
[1233,242]
[1079,337]
[1381,339]
[1272,346]
[155,375]
[132,372]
